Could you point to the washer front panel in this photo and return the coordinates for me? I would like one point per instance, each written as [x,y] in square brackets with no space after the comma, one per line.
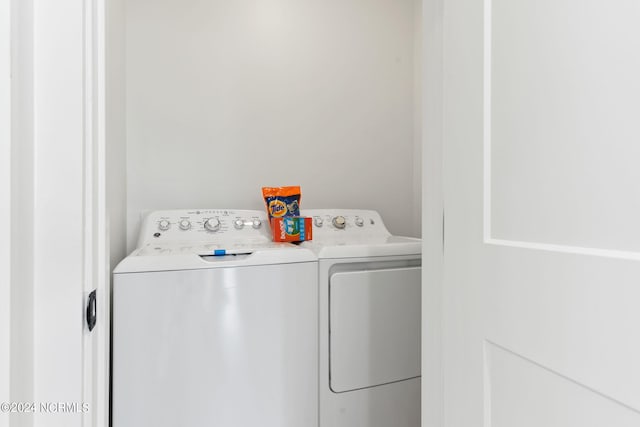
[217,347]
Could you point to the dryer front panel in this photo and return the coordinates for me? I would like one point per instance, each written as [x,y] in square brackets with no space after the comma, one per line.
[374,327]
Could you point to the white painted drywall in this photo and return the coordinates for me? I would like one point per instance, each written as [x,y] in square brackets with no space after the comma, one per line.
[432,213]
[116,147]
[418,76]
[224,97]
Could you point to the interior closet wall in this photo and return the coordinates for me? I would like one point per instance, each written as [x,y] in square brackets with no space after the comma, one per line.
[116,138]
[224,97]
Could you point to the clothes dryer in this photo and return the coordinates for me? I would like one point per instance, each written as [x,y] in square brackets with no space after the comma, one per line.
[370,314]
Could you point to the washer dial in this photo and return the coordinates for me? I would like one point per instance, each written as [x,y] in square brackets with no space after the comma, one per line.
[212,224]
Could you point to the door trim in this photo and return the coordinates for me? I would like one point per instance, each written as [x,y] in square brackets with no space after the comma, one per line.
[96,248]
[5,204]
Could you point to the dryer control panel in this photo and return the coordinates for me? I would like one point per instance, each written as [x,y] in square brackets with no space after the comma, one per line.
[353,222]
[204,225]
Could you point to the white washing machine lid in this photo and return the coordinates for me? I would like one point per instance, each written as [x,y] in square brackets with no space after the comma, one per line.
[181,259]
[208,238]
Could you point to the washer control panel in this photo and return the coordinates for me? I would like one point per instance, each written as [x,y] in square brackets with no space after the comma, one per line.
[204,225]
[349,221]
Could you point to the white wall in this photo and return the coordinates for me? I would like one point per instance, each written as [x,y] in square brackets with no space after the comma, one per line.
[224,97]
[116,148]
[418,102]
[432,213]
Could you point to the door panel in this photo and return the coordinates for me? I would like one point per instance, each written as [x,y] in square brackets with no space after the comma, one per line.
[374,327]
[541,246]
[526,394]
[563,107]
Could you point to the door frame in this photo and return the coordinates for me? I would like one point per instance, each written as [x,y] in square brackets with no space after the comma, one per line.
[53,197]
[69,99]
[5,204]
[96,256]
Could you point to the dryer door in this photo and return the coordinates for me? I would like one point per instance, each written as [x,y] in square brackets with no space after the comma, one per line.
[374,326]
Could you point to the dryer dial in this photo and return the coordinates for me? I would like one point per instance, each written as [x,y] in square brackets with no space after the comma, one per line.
[339,222]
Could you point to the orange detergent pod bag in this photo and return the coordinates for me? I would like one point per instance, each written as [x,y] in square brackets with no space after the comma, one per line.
[283,208]
[282,201]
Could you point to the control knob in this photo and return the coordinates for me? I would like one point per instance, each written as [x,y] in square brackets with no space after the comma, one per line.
[239,224]
[318,221]
[359,221]
[185,224]
[256,223]
[212,224]
[164,225]
[339,222]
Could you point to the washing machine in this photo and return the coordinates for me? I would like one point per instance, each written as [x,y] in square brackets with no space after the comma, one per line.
[370,315]
[214,325]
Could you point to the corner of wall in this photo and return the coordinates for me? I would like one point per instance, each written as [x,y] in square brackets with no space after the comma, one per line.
[418,118]
[116,149]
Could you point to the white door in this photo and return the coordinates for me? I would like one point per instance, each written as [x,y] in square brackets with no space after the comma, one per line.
[542,213]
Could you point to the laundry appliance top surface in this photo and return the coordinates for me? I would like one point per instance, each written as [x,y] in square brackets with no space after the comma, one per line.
[352,233]
[208,238]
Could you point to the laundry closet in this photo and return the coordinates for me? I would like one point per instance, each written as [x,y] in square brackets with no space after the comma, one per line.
[112,109]
[208,101]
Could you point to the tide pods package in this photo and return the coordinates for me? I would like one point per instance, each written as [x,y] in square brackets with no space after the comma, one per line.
[282,201]
[291,229]
[283,208]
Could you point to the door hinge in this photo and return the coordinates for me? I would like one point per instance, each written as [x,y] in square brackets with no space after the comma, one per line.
[92,310]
